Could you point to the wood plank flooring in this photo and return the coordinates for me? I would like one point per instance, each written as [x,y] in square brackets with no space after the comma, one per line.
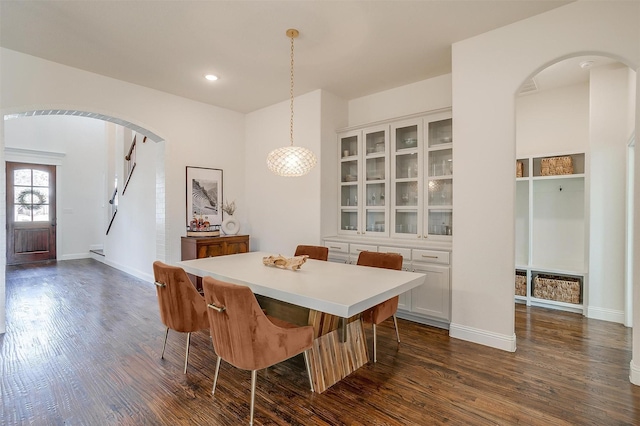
[84,340]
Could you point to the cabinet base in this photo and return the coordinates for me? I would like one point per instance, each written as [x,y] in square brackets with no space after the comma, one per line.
[433,322]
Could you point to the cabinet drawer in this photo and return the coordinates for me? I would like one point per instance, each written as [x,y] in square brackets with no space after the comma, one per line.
[431,256]
[357,248]
[336,247]
[405,252]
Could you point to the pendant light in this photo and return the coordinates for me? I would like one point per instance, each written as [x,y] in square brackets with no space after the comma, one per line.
[291,161]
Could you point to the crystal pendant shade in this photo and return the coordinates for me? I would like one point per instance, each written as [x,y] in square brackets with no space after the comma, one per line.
[291,161]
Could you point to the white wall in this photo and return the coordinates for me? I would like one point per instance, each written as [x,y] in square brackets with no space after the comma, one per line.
[282,212]
[553,121]
[609,135]
[334,116]
[422,96]
[80,198]
[488,70]
[194,134]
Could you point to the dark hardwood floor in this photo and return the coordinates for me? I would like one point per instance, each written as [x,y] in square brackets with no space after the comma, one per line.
[84,340]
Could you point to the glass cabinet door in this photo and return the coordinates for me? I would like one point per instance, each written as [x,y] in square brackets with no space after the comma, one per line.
[349,170]
[376,188]
[407,179]
[439,167]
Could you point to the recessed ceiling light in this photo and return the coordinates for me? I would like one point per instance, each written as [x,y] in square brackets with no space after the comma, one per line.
[586,64]
[211,77]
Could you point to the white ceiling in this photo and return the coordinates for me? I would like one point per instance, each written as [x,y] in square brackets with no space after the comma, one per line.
[349,48]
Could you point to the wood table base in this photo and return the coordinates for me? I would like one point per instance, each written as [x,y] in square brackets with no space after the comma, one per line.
[330,359]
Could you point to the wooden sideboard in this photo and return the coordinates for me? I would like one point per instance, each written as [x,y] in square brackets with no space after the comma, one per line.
[199,247]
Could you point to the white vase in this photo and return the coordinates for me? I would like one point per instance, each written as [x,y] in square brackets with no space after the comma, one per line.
[230,225]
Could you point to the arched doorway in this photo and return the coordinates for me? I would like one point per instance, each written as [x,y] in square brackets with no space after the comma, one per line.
[154,174]
[573,226]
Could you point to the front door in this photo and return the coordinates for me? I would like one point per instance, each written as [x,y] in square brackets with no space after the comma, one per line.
[31,213]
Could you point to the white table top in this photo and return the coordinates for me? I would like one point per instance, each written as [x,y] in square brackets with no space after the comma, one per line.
[335,288]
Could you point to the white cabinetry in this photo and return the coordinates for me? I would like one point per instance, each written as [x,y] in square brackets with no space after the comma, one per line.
[552,229]
[396,179]
[428,304]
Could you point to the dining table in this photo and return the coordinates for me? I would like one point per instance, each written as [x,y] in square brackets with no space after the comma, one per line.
[329,296]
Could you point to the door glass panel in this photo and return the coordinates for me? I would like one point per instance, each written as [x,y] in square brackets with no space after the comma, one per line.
[40,213]
[349,171]
[406,222]
[407,166]
[375,194]
[375,142]
[406,137]
[22,177]
[31,203]
[440,132]
[406,193]
[440,222]
[349,220]
[375,168]
[375,221]
[349,146]
[40,178]
[441,162]
[440,192]
[349,195]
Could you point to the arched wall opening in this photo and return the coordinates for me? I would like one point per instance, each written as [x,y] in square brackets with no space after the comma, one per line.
[148,173]
[580,108]
[488,70]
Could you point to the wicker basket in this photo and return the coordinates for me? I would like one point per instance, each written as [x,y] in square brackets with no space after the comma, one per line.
[556,166]
[519,169]
[561,289]
[521,284]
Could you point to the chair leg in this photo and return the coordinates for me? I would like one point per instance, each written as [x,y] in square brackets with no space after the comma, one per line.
[395,324]
[215,377]
[253,393]
[306,362]
[166,334]
[375,358]
[186,357]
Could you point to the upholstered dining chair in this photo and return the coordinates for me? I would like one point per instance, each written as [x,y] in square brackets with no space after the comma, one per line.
[314,252]
[384,310]
[182,308]
[247,338]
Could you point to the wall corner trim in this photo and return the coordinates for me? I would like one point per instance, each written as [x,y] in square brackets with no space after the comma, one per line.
[483,337]
[634,373]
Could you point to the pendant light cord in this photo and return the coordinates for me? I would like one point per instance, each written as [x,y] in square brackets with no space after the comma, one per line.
[291,96]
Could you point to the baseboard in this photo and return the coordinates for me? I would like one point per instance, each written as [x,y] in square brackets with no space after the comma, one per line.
[74,256]
[634,373]
[483,337]
[138,274]
[605,314]
[422,320]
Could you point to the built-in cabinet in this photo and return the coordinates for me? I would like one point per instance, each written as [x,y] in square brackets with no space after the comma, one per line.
[552,229]
[396,195]
[429,303]
[396,179]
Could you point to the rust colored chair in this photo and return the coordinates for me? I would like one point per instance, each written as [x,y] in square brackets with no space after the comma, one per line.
[314,252]
[247,338]
[182,308]
[387,309]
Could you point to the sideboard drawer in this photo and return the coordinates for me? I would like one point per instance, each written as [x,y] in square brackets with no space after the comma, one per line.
[336,247]
[404,252]
[357,248]
[431,256]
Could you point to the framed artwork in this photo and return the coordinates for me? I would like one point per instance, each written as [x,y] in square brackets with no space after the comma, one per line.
[204,194]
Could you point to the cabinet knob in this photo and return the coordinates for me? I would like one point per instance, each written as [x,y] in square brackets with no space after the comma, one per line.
[425,236]
[419,236]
